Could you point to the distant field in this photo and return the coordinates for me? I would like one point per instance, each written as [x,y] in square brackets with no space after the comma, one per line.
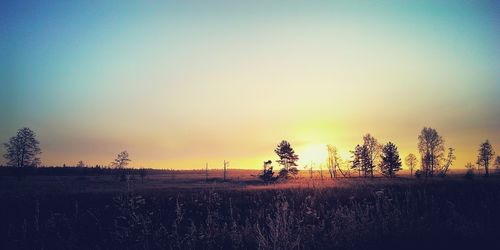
[185,210]
[184,179]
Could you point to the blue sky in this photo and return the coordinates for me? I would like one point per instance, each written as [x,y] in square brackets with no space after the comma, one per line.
[181,83]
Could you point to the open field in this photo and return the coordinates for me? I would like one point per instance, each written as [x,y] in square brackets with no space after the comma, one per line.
[184,211]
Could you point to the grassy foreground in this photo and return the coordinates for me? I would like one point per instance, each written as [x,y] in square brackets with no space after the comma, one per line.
[42,212]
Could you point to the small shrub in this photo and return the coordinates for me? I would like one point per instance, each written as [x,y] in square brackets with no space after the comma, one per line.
[291,172]
[418,173]
[267,173]
[469,175]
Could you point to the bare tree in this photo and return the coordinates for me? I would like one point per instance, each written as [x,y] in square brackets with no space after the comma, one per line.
[206,172]
[321,171]
[226,164]
[431,148]
[449,161]
[122,160]
[23,149]
[310,166]
[469,174]
[485,156]
[470,166]
[411,161]
[372,153]
[332,161]
[343,167]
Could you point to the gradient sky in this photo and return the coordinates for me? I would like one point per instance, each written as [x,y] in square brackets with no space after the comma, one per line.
[178,84]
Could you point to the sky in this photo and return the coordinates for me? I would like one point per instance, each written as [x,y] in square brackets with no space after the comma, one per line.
[181,83]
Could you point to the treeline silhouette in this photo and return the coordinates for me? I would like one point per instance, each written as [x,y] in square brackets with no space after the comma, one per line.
[79,171]
[371,157]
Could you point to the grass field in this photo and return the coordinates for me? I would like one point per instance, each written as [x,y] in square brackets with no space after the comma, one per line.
[185,210]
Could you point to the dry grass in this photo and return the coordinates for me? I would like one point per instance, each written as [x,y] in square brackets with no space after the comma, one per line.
[186,212]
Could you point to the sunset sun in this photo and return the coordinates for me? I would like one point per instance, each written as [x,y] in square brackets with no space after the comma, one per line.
[313,153]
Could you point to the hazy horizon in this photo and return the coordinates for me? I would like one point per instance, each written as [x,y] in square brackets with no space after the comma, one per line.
[179,84]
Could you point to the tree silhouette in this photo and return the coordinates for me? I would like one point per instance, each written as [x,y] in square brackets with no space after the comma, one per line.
[431,148]
[267,174]
[122,160]
[206,172]
[485,156]
[411,161]
[449,161]
[226,164]
[356,159]
[23,149]
[332,161]
[80,164]
[469,174]
[366,162]
[371,153]
[288,159]
[469,165]
[391,163]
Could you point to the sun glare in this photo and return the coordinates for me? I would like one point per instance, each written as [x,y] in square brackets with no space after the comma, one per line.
[313,153]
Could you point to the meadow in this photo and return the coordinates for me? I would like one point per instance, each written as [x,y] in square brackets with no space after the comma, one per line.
[187,210]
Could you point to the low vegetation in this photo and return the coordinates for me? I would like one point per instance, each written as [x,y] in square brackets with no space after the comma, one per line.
[355,213]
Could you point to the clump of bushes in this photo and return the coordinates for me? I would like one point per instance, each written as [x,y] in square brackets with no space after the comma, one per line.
[418,173]
[469,174]
[470,171]
[267,174]
[287,159]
